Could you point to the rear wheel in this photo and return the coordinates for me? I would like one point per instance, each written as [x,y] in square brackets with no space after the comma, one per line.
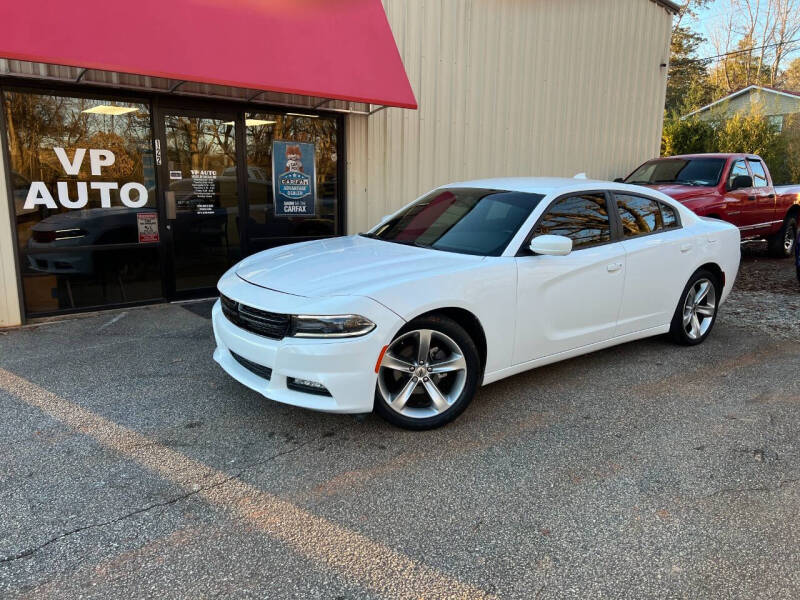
[697,309]
[781,245]
[428,374]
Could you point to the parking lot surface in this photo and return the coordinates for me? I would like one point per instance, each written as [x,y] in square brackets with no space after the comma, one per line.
[131,466]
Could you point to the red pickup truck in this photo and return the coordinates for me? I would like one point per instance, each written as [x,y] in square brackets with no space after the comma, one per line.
[733,187]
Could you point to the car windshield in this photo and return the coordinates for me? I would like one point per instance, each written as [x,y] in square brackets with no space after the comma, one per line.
[464,220]
[682,171]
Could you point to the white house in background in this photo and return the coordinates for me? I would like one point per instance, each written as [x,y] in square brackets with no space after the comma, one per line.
[773,103]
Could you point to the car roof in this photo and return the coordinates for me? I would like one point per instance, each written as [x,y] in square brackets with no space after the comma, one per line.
[711,155]
[532,185]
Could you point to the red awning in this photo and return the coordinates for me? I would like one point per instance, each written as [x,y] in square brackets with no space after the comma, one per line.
[339,49]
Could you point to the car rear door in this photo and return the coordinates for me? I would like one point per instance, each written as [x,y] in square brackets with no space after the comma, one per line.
[657,252]
[567,302]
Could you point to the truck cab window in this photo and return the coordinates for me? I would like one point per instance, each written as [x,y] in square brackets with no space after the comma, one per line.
[738,168]
[759,174]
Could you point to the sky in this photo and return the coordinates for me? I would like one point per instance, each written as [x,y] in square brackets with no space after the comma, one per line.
[703,25]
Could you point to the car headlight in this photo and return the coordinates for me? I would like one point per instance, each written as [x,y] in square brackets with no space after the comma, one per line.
[330,326]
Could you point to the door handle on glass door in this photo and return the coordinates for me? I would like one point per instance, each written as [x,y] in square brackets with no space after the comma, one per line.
[613,267]
[171,207]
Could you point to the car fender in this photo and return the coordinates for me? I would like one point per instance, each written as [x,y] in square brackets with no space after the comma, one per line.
[488,291]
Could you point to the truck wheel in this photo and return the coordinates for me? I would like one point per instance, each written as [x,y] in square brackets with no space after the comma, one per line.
[781,245]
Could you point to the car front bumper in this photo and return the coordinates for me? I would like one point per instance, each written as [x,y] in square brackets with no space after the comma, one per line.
[346,367]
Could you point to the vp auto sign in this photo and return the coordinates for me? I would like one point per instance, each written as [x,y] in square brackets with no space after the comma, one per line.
[132,195]
[294,178]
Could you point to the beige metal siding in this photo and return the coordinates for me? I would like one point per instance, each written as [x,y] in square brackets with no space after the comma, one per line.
[9,298]
[512,87]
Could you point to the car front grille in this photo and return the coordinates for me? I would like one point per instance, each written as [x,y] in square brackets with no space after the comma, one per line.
[256,368]
[254,320]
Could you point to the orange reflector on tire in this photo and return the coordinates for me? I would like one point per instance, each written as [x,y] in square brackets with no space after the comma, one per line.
[380,358]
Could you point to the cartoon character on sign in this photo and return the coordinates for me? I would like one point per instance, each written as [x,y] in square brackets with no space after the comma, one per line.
[293,159]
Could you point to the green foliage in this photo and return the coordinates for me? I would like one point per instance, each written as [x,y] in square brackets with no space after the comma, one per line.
[687,136]
[687,83]
[789,166]
[750,133]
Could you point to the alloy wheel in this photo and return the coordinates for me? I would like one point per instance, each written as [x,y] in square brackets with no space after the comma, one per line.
[422,374]
[699,308]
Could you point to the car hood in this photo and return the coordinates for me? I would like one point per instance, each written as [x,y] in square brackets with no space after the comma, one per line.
[353,265]
[682,192]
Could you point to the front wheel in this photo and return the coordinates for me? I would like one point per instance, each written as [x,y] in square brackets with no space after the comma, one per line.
[697,309]
[781,245]
[428,374]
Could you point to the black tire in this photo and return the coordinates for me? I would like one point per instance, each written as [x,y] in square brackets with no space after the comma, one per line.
[781,245]
[682,333]
[444,330]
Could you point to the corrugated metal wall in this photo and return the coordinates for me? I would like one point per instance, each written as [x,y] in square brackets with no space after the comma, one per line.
[9,301]
[512,87]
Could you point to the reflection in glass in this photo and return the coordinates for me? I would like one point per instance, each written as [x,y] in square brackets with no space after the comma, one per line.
[583,219]
[81,155]
[201,158]
[264,228]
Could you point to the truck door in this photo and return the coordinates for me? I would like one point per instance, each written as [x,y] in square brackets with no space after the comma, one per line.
[742,202]
[766,202]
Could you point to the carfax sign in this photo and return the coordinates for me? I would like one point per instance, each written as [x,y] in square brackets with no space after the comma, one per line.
[294,179]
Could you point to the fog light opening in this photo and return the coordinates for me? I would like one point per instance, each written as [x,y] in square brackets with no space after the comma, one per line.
[307,386]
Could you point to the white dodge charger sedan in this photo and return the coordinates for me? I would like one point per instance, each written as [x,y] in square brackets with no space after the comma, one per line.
[471,283]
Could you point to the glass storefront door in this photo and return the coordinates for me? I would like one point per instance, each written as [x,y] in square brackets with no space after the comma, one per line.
[201,197]
[123,200]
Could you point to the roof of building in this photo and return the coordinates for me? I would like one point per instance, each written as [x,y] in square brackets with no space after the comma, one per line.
[745,90]
[669,5]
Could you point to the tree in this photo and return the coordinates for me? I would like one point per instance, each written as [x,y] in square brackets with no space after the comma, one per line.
[791,76]
[687,84]
[753,38]
[687,136]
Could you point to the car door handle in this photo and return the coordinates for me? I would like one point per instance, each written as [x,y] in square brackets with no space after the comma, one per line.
[751,197]
[685,248]
[613,267]
[771,196]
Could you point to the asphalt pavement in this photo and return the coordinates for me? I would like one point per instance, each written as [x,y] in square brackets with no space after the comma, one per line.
[131,466]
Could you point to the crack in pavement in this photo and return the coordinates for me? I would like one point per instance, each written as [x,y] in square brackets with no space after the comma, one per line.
[199,489]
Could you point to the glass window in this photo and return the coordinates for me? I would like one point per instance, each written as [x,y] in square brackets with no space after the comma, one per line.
[466,220]
[639,215]
[307,145]
[759,174]
[582,218]
[83,179]
[669,217]
[738,168]
[681,171]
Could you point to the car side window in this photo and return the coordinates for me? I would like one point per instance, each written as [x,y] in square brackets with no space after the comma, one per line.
[639,215]
[759,174]
[738,168]
[583,218]
[668,216]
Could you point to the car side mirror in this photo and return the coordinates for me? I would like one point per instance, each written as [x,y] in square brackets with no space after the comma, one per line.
[551,245]
[619,180]
[742,181]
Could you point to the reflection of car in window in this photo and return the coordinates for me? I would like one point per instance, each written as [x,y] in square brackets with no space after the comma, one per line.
[88,227]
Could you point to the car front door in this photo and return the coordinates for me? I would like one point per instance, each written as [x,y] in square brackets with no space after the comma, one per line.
[742,202]
[656,251]
[568,302]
